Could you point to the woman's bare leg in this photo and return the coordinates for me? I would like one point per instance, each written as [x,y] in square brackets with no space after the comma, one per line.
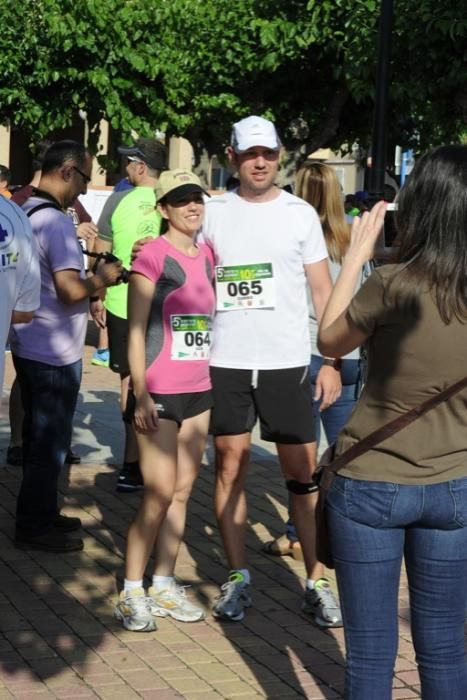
[191,444]
[158,461]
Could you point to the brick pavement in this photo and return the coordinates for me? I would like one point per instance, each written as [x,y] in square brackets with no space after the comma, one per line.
[58,638]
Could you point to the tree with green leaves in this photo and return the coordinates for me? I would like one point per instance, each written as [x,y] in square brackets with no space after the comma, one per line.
[192,67]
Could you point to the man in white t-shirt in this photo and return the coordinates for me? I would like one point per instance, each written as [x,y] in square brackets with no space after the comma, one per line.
[268,247]
[20,280]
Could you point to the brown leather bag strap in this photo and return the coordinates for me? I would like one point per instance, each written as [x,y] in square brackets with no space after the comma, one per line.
[393,427]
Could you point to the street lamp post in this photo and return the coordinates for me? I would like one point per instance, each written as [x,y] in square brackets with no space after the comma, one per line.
[379,145]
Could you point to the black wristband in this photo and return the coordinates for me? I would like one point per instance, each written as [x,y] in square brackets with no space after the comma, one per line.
[335,363]
[94,299]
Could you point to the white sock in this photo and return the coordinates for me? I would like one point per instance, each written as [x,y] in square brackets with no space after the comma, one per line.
[132,585]
[161,583]
[245,573]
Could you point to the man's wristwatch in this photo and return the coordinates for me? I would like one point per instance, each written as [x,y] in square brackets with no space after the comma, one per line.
[94,299]
[334,362]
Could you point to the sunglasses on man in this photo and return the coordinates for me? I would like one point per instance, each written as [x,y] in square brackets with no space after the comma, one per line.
[85,177]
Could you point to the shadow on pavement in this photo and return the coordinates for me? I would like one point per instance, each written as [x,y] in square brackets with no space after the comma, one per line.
[97,427]
[277,647]
[56,611]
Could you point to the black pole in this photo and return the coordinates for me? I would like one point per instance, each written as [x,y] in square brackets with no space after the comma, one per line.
[379,146]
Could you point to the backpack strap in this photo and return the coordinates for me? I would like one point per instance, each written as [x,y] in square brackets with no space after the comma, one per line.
[44,205]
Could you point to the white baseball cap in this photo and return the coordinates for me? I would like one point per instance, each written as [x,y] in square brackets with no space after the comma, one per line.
[254,131]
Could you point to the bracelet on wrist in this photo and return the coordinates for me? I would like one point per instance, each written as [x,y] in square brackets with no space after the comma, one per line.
[334,362]
[97,298]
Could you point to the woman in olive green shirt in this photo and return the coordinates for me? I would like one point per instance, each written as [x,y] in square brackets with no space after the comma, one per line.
[407,497]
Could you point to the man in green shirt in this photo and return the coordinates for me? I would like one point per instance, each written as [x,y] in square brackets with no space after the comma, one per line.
[128,216]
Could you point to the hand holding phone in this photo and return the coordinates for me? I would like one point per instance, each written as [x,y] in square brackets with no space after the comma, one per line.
[365,233]
[389,228]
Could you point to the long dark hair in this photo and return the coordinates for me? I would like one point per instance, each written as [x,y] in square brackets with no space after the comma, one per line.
[432,224]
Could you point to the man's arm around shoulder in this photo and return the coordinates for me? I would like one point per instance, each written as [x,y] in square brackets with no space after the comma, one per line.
[22,316]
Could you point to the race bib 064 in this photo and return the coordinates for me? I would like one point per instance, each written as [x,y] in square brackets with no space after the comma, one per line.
[191,336]
[245,287]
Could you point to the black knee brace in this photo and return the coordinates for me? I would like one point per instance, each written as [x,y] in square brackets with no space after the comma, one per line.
[300,488]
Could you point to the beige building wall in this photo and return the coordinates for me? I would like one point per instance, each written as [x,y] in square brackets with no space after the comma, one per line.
[98,174]
[5,133]
[180,153]
[349,172]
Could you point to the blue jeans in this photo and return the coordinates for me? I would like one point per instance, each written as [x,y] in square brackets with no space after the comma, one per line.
[49,396]
[335,417]
[374,526]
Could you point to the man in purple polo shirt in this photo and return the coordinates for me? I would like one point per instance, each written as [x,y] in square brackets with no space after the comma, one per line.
[47,352]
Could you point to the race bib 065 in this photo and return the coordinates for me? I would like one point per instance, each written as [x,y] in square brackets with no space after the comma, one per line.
[245,287]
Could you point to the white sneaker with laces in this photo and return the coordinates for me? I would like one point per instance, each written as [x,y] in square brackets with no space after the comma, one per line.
[233,599]
[173,602]
[321,604]
[134,612]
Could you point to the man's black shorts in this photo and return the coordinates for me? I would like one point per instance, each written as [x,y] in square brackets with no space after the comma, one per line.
[117,329]
[280,398]
[176,407]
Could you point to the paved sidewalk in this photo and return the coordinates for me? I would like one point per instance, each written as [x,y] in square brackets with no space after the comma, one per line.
[58,637]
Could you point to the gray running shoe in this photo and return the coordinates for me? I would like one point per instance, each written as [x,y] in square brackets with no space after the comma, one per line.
[134,611]
[233,599]
[173,602]
[320,602]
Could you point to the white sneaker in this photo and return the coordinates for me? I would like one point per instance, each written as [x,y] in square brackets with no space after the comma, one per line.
[173,601]
[134,611]
[321,603]
[233,599]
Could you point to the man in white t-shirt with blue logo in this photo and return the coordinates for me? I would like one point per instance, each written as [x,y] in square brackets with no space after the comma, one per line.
[268,246]
[20,281]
